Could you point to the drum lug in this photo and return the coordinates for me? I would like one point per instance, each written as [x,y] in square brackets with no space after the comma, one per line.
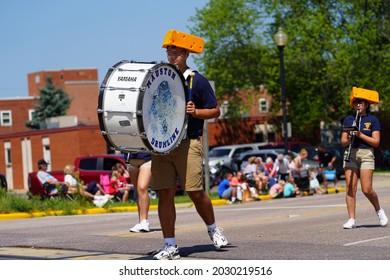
[143,135]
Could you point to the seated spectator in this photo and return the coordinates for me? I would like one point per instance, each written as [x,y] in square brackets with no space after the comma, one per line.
[48,181]
[269,164]
[314,183]
[290,189]
[262,175]
[123,187]
[276,191]
[226,190]
[245,188]
[94,192]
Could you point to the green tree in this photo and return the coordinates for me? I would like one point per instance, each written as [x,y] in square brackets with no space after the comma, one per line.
[235,56]
[333,45]
[51,102]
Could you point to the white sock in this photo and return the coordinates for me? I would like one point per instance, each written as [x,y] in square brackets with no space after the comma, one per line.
[211,227]
[170,241]
[233,199]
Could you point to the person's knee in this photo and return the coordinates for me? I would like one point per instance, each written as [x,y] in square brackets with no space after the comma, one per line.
[196,195]
[368,192]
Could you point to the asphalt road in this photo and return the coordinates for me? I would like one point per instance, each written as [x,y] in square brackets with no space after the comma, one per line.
[301,228]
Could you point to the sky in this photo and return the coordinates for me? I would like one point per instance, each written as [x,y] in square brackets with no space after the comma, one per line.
[44,35]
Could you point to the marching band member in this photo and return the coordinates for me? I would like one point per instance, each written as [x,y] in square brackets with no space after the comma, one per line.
[186,160]
[359,160]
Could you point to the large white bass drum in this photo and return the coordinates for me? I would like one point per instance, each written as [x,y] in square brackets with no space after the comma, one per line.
[141,107]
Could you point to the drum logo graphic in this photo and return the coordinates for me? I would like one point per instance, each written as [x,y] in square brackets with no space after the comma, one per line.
[163,110]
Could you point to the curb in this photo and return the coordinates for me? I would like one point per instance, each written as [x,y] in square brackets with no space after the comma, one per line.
[216,202]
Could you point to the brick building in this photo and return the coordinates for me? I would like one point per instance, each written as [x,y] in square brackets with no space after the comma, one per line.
[82,86]
[23,147]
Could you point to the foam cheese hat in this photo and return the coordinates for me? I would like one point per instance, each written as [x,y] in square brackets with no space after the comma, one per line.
[371,96]
[183,40]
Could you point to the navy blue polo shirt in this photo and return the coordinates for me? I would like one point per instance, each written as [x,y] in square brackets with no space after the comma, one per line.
[204,98]
[367,124]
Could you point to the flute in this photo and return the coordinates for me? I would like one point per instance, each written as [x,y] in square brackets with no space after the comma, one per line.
[347,155]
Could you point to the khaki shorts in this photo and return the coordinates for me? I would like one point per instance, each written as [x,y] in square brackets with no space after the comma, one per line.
[361,159]
[135,164]
[184,162]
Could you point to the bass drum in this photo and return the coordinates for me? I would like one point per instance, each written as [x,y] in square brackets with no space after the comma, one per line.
[142,107]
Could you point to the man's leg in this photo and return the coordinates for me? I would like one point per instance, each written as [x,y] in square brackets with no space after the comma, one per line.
[167,212]
[203,206]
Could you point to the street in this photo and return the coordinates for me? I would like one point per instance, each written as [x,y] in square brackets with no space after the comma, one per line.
[301,228]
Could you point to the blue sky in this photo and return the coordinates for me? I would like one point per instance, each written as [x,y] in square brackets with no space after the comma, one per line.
[43,35]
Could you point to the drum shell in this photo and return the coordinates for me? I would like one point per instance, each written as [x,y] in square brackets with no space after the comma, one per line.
[127,87]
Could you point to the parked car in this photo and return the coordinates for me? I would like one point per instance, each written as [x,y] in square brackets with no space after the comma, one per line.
[294,147]
[242,159]
[224,155]
[222,158]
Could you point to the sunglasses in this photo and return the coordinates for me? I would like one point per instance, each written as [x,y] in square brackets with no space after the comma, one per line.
[358,101]
[175,52]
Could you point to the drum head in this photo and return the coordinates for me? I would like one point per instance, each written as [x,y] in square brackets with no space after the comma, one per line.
[163,108]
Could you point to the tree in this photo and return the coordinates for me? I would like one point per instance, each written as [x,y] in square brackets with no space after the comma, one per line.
[52,102]
[236,56]
[333,45]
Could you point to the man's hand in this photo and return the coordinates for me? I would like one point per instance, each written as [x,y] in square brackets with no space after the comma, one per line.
[190,108]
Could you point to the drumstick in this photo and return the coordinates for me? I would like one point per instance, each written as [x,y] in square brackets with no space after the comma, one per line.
[192,74]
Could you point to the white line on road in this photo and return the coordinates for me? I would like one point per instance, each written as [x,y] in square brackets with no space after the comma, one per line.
[367,240]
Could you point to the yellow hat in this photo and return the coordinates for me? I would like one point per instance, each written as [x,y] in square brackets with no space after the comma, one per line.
[371,96]
[182,40]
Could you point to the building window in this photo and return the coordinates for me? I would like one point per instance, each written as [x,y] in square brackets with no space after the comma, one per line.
[6,118]
[263,105]
[7,153]
[31,113]
[37,79]
[224,109]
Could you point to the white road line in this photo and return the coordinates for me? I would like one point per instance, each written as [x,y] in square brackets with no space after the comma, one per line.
[270,207]
[365,241]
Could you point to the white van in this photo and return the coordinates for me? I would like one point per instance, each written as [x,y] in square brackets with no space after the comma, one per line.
[223,156]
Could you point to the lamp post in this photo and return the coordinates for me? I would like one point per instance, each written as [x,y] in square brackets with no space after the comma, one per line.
[280,39]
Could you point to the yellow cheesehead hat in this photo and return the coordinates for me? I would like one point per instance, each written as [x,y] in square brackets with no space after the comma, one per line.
[371,96]
[183,40]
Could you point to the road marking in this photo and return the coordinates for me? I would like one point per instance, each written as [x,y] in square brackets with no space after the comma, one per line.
[367,240]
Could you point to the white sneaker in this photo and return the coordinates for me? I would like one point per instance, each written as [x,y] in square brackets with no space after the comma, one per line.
[218,238]
[100,202]
[350,224]
[382,217]
[167,252]
[142,226]
[109,196]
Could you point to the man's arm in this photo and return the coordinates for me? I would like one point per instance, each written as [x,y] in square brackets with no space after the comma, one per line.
[202,113]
